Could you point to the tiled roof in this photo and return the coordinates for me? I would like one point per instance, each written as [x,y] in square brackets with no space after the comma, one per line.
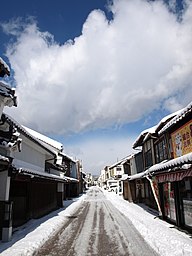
[182,114]
[183,161]
[144,135]
[21,129]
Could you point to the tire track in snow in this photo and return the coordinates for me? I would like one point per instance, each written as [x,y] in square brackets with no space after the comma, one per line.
[97,228]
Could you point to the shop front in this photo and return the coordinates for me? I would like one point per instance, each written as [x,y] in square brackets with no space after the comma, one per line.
[175,191]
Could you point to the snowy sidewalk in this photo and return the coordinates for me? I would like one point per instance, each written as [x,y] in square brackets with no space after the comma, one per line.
[161,236]
[35,233]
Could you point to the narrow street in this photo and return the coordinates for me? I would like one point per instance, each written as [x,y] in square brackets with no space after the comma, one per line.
[97,228]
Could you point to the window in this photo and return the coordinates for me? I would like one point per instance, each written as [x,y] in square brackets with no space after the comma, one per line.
[160,151]
[148,154]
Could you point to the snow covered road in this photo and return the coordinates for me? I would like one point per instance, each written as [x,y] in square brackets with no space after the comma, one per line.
[92,224]
[96,228]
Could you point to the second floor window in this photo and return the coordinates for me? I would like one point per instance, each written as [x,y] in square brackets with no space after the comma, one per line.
[160,151]
[148,155]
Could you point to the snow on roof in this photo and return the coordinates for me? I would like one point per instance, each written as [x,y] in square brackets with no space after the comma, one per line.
[41,174]
[69,157]
[6,159]
[180,115]
[186,159]
[57,145]
[124,177]
[144,135]
[4,68]
[120,162]
[8,92]
[71,179]
[24,131]
[137,176]
[183,161]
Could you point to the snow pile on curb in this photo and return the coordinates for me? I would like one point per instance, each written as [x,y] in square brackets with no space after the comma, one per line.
[160,235]
[48,226]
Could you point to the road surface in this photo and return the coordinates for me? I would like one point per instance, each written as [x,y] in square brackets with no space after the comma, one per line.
[97,228]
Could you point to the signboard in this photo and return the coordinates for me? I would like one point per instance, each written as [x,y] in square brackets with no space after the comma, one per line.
[175,176]
[182,140]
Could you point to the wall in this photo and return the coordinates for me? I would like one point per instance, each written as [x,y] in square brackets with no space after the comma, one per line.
[31,155]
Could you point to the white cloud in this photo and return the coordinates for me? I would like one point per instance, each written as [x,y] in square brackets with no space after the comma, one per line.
[114,73]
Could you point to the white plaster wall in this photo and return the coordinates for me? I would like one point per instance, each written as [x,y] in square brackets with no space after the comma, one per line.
[31,155]
[59,159]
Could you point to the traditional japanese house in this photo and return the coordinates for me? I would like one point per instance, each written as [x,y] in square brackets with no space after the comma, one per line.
[31,190]
[174,175]
[64,164]
[149,142]
[170,174]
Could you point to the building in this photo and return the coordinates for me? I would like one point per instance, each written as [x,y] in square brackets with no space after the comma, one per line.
[167,161]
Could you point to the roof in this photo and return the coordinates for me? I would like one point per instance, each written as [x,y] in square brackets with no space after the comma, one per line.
[4,159]
[22,130]
[120,162]
[40,174]
[8,92]
[137,176]
[45,175]
[68,157]
[180,115]
[179,161]
[53,143]
[4,68]
[144,135]
[183,161]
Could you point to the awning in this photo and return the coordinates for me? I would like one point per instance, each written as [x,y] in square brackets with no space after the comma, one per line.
[176,176]
[170,164]
[183,163]
[137,176]
[39,174]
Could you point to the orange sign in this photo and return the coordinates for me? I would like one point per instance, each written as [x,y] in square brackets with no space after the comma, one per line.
[182,140]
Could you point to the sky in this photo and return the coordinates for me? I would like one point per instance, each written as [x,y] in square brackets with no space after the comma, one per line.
[163,237]
[93,74]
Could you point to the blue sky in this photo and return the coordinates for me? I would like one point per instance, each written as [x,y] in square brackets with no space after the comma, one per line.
[93,74]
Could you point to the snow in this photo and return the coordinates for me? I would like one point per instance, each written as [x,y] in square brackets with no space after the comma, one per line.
[41,174]
[4,64]
[183,161]
[150,130]
[144,135]
[43,138]
[122,161]
[6,159]
[164,238]
[180,115]
[23,130]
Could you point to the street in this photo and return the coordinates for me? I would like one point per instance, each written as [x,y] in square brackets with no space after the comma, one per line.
[96,228]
